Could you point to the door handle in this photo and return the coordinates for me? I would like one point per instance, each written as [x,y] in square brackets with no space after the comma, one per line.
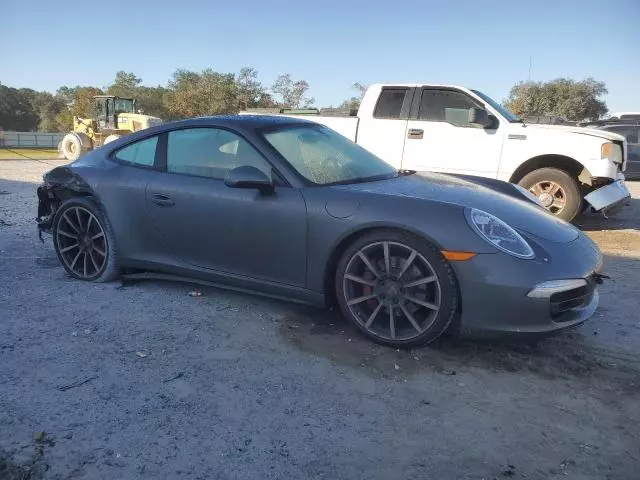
[415,133]
[162,200]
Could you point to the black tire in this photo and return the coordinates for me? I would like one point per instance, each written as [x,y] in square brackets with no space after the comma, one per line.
[72,224]
[538,180]
[400,274]
[71,147]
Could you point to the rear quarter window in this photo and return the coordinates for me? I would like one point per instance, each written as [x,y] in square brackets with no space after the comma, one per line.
[390,103]
[139,153]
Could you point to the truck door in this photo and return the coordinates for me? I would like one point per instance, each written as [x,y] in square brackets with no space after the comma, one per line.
[384,134]
[440,138]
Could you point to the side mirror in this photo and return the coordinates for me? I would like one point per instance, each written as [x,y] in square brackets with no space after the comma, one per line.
[480,117]
[249,177]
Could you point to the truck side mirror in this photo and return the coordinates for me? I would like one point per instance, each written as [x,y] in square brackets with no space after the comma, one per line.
[480,118]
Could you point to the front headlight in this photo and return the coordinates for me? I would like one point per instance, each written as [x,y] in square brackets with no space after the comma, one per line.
[612,152]
[499,234]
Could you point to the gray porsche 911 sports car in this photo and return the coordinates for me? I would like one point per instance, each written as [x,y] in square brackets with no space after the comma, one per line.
[291,209]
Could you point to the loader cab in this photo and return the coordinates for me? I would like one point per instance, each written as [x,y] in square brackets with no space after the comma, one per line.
[107,109]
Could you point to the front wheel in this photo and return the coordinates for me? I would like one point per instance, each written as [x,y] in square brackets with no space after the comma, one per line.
[396,288]
[71,146]
[556,190]
[84,242]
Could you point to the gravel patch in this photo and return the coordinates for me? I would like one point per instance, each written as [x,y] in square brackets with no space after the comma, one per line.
[144,381]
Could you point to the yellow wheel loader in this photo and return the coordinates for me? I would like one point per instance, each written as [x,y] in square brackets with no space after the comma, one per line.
[114,117]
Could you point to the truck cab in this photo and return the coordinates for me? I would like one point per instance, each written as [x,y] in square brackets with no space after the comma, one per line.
[453,129]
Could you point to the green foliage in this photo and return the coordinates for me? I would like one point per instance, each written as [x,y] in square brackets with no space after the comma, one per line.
[292,93]
[353,103]
[149,100]
[16,111]
[195,94]
[187,94]
[562,97]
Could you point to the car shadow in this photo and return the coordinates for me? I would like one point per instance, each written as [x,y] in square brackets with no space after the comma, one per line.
[604,347]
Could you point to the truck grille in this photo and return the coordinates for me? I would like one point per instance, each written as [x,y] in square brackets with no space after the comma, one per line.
[563,302]
[620,166]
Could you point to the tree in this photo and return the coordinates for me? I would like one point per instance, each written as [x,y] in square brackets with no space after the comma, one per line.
[79,102]
[354,102]
[125,85]
[195,94]
[292,94]
[149,100]
[562,97]
[16,112]
[250,91]
[46,107]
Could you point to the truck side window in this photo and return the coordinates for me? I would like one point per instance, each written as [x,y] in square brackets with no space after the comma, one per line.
[390,103]
[445,106]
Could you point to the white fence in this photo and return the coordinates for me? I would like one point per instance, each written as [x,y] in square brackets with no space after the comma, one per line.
[30,139]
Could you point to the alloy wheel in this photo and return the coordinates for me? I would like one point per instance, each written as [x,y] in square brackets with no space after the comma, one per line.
[392,291]
[551,195]
[81,242]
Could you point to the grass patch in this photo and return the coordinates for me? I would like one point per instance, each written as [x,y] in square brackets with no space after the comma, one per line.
[27,153]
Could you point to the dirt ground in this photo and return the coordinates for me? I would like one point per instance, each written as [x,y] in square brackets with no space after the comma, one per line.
[146,382]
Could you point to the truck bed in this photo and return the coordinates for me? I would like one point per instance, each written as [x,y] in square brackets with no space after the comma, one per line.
[345,126]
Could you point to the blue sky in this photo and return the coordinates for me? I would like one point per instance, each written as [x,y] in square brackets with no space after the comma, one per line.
[480,44]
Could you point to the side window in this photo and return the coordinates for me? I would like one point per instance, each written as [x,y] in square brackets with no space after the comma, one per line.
[139,153]
[390,103]
[445,106]
[630,132]
[210,152]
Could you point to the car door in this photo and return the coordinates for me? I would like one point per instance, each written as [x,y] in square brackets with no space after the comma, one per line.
[441,139]
[232,230]
[384,134]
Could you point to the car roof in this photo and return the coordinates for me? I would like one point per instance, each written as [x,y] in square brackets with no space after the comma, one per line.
[243,121]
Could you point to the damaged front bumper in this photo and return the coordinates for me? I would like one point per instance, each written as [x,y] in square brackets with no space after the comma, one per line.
[610,196]
[47,205]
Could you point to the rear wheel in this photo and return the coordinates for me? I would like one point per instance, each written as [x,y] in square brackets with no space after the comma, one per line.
[84,242]
[396,288]
[556,190]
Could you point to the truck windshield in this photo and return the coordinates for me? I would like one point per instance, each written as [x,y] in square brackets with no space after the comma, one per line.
[324,157]
[502,110]
[123,105]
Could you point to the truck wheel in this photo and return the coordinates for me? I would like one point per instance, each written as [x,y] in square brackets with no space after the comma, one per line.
[111,138]
[71,146]
[557,191]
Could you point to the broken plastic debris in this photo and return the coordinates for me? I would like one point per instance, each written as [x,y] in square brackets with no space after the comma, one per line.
[195,293]
[142,354]
[396,366]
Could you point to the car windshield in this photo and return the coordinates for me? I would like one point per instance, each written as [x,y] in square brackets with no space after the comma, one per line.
[324,157]
[123,105]
[496,106]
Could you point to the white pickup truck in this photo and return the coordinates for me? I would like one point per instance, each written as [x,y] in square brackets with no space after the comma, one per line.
[452,129]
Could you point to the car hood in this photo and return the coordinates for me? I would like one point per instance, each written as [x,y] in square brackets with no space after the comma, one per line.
[592,132]
[520,214]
